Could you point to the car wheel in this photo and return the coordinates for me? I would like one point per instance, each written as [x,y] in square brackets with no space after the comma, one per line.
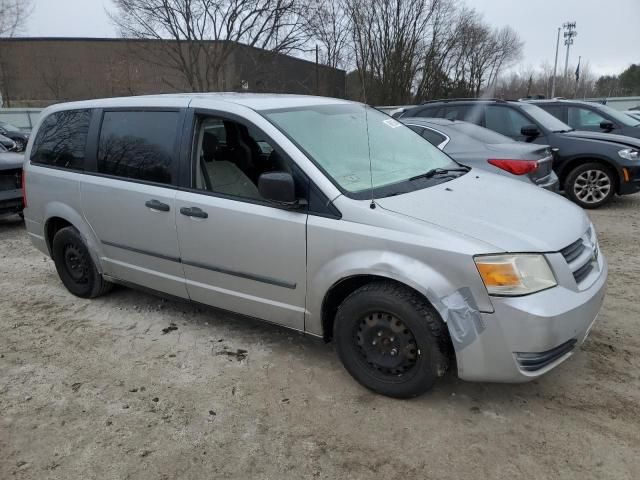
[75,265]
[20,145]
[590,185]
[391,340]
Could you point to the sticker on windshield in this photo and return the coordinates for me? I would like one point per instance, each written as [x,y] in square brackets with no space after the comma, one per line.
[392,123]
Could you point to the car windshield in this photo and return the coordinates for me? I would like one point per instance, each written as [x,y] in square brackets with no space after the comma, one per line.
[481,134]
[361,149]
[8,127]
[619,117]
[545,119]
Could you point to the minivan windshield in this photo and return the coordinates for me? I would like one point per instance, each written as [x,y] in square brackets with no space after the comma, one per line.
[545,119]
[363,150]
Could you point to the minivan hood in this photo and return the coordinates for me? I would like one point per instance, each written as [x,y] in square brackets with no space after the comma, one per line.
[508,214]
[605,137]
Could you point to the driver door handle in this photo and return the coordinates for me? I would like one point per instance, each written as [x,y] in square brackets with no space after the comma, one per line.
[157,205]
[194,212]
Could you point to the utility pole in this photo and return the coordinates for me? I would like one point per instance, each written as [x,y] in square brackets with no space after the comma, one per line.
[555,67]
[570,32]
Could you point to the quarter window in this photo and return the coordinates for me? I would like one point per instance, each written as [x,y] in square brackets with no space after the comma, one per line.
[433,137]
[139,145]
[62,139]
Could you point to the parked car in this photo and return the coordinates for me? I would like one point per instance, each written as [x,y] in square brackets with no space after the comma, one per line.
[483,148]
[591,116]
[591,166]
[7,143]
[635,114]
[352,228]
[14,133]
[10,182]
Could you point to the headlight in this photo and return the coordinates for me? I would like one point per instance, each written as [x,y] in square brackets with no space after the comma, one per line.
[514,275]
[629,154]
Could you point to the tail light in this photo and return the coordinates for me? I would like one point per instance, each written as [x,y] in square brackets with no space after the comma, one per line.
[516,167]
[24,189]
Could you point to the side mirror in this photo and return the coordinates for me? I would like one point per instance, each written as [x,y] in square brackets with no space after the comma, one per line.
[530,131]
[278,187]
[607,125]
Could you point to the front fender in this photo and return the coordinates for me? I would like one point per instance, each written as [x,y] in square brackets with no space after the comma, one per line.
[385,264]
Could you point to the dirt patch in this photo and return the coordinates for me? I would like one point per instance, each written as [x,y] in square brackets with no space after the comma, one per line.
[98,389]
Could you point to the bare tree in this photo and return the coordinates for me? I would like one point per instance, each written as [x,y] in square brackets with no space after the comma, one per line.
[13,16]
[327,23]
[387,39]
[197,37]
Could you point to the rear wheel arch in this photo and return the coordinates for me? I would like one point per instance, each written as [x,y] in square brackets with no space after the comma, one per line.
[52,226]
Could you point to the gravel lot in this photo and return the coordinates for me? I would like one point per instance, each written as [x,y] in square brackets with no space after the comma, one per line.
[96,389]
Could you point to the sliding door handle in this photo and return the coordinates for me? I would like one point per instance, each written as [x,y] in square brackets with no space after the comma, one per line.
[156,205]
[194,212]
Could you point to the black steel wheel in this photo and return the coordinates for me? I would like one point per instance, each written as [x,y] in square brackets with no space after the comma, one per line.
[391,340]
[75,265]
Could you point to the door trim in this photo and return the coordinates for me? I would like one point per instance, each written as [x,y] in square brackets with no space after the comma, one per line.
[248,276]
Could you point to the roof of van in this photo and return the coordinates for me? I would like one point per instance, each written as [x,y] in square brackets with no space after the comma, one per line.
[255,101]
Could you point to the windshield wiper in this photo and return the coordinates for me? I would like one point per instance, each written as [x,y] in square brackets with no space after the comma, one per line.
[438,172]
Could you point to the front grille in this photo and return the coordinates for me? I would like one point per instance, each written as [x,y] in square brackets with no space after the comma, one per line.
[531,362]
[10,179]
[582,256]
[573,251]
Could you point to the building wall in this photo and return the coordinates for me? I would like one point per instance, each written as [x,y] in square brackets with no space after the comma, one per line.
[39,72]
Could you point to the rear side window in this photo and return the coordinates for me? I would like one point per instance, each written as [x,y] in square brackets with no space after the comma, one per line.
[139,145]
[62,139]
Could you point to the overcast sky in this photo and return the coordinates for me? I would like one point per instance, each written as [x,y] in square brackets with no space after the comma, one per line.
[608,30]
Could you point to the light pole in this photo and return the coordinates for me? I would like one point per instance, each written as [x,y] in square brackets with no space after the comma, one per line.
[570,32]
[555,67]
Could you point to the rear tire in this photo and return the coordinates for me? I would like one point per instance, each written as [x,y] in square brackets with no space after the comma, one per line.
[75,266]
[590,185]
[391,340]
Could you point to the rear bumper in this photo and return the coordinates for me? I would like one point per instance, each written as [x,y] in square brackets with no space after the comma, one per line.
[525,337]
[550,182]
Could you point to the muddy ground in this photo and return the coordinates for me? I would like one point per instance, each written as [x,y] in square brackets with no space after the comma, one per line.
[97,389]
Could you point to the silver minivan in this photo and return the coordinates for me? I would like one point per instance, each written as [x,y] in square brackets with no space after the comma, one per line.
[324,216]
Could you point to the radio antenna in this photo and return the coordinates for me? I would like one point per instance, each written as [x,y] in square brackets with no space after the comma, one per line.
[372,205]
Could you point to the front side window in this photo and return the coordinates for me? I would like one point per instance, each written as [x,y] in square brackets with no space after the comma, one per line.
[62,139]
[230,157]
[360,148]
[580,118]
[139,145]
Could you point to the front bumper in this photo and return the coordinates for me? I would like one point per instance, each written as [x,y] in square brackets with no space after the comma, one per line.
[632,185]
[527,336]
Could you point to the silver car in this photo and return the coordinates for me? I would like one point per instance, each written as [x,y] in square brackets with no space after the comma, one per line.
[488,150]
[322,215]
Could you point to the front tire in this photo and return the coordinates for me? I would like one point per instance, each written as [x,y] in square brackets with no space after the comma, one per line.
[590,185]
[391,340]
[75,265]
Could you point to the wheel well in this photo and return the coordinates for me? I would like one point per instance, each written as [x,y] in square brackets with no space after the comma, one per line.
[340,291]
[53,225]
[566,170]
